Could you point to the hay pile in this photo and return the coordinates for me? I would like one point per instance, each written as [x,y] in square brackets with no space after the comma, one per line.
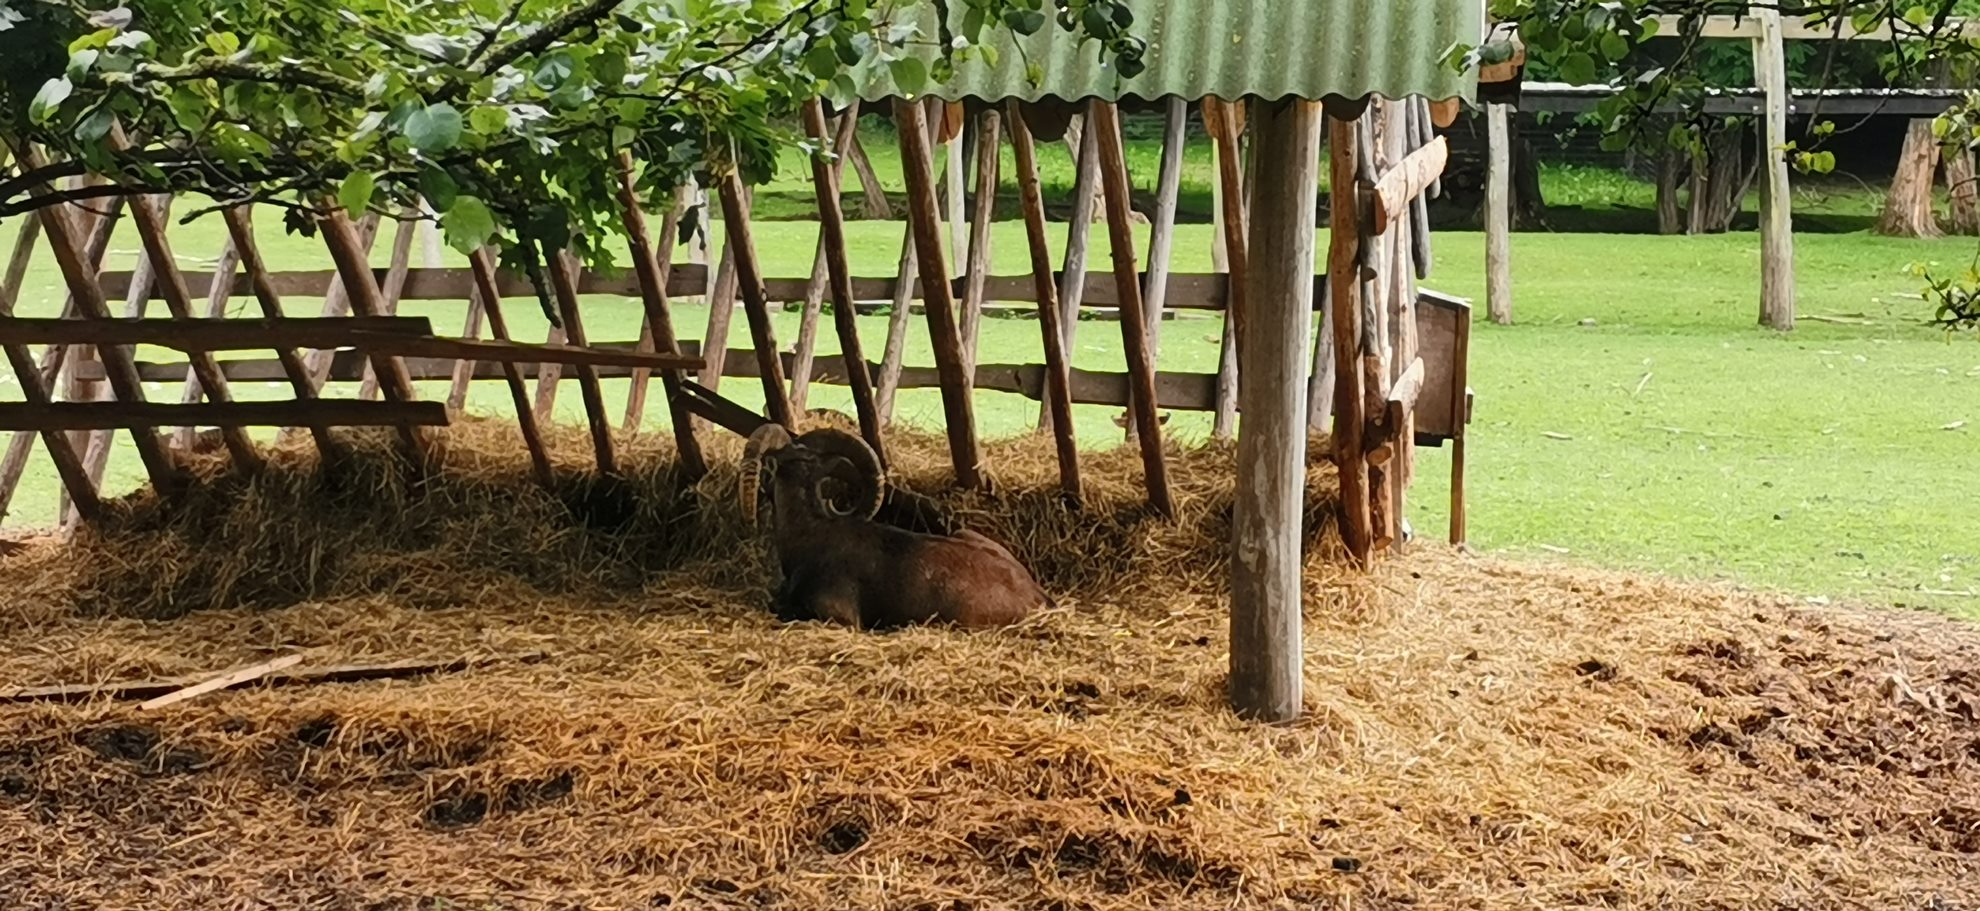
[1479,734]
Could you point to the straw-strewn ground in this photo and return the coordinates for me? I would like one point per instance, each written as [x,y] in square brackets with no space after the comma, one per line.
[1479,735]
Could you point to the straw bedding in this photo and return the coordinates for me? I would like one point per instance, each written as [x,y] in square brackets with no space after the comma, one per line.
[1479,734]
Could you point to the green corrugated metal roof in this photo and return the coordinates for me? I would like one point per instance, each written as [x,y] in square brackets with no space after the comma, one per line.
[1232,49]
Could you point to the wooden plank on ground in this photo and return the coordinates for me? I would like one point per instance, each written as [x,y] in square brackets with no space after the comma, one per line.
[231,679]
[342,673]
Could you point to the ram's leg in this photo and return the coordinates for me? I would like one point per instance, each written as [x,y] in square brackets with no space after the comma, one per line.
[838,602]
[788,601]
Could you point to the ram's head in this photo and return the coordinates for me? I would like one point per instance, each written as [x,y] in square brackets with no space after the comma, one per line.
[819,473]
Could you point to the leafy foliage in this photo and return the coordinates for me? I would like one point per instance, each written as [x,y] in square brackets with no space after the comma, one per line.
[506,117]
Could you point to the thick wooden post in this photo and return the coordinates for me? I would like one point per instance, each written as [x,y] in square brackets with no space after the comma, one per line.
[240,232]
[1344,287]
[1498,214]
[652,273]
[938,296]
[482,264]
[1058,392]
[1104,124]
[832,238]
[749,280]
[1776,199]
[564,271]
[1162,229]
[1265,570]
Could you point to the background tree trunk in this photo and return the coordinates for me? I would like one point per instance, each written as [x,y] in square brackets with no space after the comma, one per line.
[1670,177]
[1908,208]
[1960,186]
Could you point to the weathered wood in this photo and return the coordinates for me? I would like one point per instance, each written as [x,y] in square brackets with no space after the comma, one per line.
[706,404]
[563,286]
[401,345]
[658,332]
[1103,122]
[1266,594]
[457,390]
[208,334]
[1162,228]
[953,182]
[943,332]
[894,350]
[35,387]
[814,290]
[721,299]
[1776,197]
[482,263]
[1460,406]
[662,253]
[1344,272]
[216,308]
[240,232]
[1058,395]
[347,251]
[832,241]
[1230,181]
[343,673]
[1408,179]
[875,194]
[977,270]
[395,283]
[119,415]
[1072,273]
[1498,215]
[1390,430]
[96,446]
[337,297]
[89,303]
[749,279]
[224,681]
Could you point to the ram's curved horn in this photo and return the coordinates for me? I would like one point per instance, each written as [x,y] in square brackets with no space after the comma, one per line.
[767,439]
[852,461]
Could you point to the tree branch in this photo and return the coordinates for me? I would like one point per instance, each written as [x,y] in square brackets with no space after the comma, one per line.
[217,68]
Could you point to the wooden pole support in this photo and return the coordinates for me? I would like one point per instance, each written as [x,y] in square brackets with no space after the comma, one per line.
[1230,180]
[652,274]
[482,263]
[240,230]
[1776,197]
[361,287]
[749,280]
[978,262]
[1058,378]
[563,283]
[832,238]
[815,288]
[1162,228]
[1266,594]
[1344,286]
[1104,122]
[662,253]
[925,220]
[1498,214]
[1397,189]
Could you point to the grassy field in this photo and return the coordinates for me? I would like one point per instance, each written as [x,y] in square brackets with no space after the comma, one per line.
[1634,416]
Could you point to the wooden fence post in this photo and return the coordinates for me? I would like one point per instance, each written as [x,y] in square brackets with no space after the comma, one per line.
[482,264]
[1162,229]
[1344,285]
[938,296]
[749,280]
[1079,228]
[1236,257]
[1776,197]
[1058,392]
[348,252]
[1266,593]
[1104,124]
[240,233]
[814,292]
[1498,214]
[662,254]
[988,160]
[652,272]
[832,238]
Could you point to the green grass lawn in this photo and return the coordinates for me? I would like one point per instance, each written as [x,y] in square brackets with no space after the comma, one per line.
[1696,443]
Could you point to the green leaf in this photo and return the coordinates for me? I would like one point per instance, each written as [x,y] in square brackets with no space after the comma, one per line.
[47,101]
[96,124]
[1649,28]
[468,224]
[609,69]
[1034,74]
[434,128]
[438,187]
[821,60]
[1614,46]
[623,136]
[973,22]
[909,73]
[488,120]
[355,193]
[1024,21]
[79,64]
[223,43]
[1578,69]
[552,72]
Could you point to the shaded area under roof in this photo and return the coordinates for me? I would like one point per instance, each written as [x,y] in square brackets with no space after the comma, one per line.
[1228,49]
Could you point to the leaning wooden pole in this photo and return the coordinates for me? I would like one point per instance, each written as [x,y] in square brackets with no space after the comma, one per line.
[756,306]
[1104,123]
[977,263]
[1072,279]
[218,292]
[814,290]
[662,253]
[1058,380]
[240,230]
[67,464]
[1230,180]
[1266,593]
[348,252]
[482,264]
[1344,295]
[1162,228]
[564,269]
[652,275]
[832,234]
[938,296]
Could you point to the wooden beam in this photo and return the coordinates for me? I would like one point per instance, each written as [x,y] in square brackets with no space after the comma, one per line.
[1267,520]
[721,412]
[721,298]
[207,334]
[348,252]
[337,299]
[1389,201]
[35,389]
[944,334]
[394,284]
[1058,396]
[832,242]
[659,322]
[216,308]
[1498,214]
[1776,197]
[224,681]
[1103,121]
[400,345]
[563,285]
[482,263]
[893,352]
[1344,272]
[240,230]
[814,290]
[121,415]
[749,280]
[343,673]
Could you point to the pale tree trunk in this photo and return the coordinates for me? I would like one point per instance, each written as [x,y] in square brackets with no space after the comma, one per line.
[1670,174]
[1908,208]
[1960,186]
